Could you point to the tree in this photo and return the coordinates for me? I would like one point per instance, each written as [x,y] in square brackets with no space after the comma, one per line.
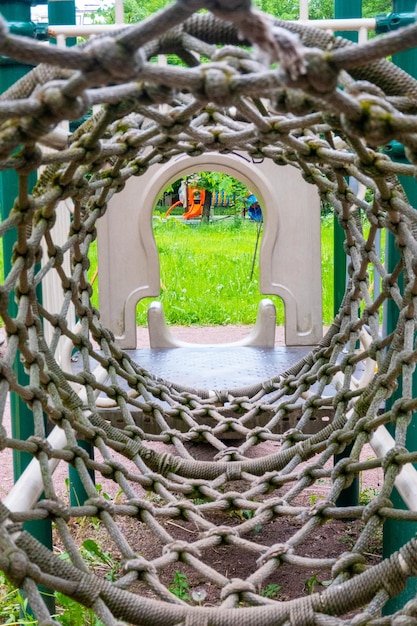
[134,10]
[137,10]
[217,182]
[318,9]
[282,9]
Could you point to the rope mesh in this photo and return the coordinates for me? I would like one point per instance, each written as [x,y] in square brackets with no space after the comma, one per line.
[199,479]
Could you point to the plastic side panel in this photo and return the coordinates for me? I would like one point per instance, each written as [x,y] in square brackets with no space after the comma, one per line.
[128,261]
[291,253]
[290,256]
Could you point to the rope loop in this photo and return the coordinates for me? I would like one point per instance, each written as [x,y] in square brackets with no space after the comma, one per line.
[274,552]
[237,587]
[390,458]
[374,507]
[349,563]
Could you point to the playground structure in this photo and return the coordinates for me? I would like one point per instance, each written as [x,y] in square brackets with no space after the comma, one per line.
[214,462]
[193,200]
[190,198]
[131,222]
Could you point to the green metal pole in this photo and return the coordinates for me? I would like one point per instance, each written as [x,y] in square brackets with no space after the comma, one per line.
[17,13]
[63,12]
[343,10]
[397,533]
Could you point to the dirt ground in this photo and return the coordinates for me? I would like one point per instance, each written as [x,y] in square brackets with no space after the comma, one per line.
[330,540]
[288,582]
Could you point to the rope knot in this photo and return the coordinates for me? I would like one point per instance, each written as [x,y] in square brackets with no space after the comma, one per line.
[143,507]
[342,471]
[60,105]
[373,118]
[217,84]
[181,548]
[274,552]
[17,569]
[32,160]
[320,509]
[374,508]
[55,509]
[222,533]
[318,77]
[229,454]
[92,150]
[111,61]
[101,504]
[140,565]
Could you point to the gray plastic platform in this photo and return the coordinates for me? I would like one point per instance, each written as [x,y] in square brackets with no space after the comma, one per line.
[218,367]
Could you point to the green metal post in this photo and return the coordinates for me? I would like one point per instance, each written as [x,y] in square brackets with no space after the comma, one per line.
[397,533]
[343,10]
[17,13]
[63,12]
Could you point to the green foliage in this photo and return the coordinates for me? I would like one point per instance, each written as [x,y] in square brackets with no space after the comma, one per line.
[321,9]
[70,613]
[311,583]
[137,10]
[180,586]
[97,559]
[243,514]
[314,497]
[271,591]
[371,8]
[318,9]
[205,273]
[282,9]
[216,181]
[134,10]
[13,606]
[367,495]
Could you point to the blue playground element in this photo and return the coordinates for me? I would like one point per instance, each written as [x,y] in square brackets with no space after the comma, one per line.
[253,208]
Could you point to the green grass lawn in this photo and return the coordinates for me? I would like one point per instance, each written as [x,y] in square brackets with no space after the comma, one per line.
[206,273]
[206,269]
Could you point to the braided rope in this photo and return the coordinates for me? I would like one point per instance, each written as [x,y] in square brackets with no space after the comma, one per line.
[328,107]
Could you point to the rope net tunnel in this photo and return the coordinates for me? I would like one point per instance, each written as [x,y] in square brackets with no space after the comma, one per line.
[216,480]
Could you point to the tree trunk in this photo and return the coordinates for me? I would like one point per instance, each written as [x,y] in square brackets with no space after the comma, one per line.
[205,216]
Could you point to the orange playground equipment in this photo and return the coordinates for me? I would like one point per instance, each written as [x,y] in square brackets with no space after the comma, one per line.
[192,199]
